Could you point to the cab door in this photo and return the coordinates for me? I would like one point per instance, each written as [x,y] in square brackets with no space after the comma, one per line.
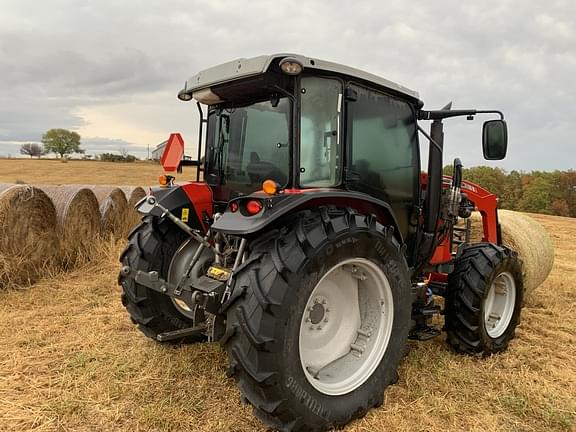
[383,155]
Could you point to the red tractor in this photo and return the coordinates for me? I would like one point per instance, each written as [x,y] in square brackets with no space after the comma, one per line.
[314,248]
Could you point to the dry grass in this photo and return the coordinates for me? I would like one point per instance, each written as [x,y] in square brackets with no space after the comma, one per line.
[47,171]
[71,360]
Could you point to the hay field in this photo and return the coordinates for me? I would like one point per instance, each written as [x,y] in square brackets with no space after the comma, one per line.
[71,360]
[51,171]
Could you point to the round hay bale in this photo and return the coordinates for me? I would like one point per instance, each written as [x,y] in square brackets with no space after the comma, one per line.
[28,234]
[113,209]
[133,194]
[527,237]
[78,215]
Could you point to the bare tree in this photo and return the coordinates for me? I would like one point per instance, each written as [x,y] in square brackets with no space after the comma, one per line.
[31,149]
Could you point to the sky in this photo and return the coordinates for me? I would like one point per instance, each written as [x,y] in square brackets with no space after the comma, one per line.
[110,70]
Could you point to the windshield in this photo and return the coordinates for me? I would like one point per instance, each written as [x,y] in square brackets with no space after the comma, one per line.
[249,144]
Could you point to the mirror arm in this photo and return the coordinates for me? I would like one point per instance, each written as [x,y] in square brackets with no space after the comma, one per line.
[442,114]
[500,113]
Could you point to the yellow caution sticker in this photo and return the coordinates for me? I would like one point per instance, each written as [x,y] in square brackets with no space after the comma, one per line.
[185,214]
[218,273]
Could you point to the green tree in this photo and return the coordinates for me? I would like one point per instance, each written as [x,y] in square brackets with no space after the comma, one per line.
[537,195]
[512,193]
[62,142]
[491,179]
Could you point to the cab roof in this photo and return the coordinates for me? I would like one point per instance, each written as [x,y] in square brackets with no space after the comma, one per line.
[244,68]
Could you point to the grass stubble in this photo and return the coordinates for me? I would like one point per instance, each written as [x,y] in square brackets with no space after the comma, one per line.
[72,360]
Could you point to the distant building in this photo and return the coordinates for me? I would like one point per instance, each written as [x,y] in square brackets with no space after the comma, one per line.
[158,150]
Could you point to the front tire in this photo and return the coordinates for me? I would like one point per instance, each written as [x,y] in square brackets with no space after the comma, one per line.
[301,277]
[484,299]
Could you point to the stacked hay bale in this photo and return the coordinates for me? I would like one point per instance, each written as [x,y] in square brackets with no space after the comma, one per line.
[48,228]
[133,195]
[78,216]
[29,242]
[527,237]
[113,210]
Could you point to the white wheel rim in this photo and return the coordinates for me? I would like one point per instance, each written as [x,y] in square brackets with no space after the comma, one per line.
[499,305]
[346,326]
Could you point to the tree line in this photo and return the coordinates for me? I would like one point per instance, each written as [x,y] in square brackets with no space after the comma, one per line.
[552,192]
[63,142]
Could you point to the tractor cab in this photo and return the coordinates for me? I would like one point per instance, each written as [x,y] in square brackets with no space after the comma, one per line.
[309,124]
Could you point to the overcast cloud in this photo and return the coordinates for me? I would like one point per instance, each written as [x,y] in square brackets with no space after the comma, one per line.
[111,69]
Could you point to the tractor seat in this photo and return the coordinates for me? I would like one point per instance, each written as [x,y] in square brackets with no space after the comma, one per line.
[259,170]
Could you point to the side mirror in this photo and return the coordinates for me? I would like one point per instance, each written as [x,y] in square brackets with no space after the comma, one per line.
[494,139]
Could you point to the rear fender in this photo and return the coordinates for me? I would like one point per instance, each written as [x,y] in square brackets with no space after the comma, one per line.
[240,223]
[191,202]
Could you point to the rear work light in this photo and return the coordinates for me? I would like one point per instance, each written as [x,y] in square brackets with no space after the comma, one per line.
[291,66]
[253,207]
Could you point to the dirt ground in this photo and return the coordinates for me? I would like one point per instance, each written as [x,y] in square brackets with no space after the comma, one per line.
[52,171]
[70,360]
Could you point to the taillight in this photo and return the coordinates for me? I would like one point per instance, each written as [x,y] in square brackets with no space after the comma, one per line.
[234,207]
[253,207]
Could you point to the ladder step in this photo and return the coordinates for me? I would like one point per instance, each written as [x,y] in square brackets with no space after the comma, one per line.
[181,333]
[424,333]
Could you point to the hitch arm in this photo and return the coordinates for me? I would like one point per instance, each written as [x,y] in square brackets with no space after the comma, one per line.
[153,281]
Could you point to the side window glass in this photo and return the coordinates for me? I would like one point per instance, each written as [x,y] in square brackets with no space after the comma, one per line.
[320,145]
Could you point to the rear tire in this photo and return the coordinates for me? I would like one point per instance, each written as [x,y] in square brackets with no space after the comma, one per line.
[270,303]
[151,247]
[484,299]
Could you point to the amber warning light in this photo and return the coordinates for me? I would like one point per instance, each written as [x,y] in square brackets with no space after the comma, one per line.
[173,152]
[270,187]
